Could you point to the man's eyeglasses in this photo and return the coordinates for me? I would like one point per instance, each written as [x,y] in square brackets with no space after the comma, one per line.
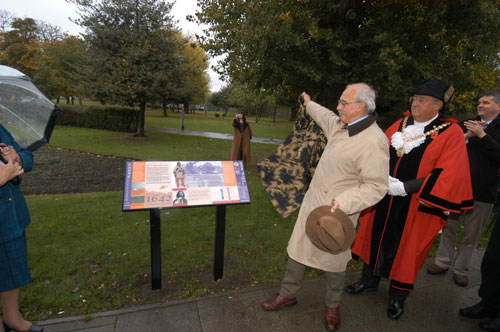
[420,100]
[344,103]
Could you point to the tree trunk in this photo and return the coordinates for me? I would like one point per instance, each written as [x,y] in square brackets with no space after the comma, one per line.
[293,112]
[164,107]
[182,117]
[274,114]
[67,100]
[141,121]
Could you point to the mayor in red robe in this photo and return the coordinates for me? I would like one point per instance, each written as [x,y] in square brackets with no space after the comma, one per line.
[429,178]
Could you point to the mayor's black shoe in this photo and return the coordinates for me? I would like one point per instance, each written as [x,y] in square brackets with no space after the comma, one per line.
[491,325]
[396,309]
[358,288]
[479,310]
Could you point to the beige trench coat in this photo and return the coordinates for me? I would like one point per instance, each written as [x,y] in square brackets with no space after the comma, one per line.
[353,170]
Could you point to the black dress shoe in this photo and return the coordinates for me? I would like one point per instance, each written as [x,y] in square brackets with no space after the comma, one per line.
[33,328]
[491,325]
[395,309]
[479,310]
[358,288]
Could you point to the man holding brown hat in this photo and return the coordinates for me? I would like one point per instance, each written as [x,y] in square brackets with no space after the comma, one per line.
[351,176]
[429,178]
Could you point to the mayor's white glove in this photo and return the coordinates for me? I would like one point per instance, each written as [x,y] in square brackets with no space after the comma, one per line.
[396,187]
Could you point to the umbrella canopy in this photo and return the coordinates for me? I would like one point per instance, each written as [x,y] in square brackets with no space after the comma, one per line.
[25,111]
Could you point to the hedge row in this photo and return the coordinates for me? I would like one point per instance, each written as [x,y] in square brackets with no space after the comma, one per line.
[114,118]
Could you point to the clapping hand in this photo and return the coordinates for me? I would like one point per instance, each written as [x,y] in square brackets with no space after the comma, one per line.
[474,128]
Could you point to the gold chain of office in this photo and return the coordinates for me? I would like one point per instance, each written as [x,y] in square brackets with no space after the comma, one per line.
[401,150]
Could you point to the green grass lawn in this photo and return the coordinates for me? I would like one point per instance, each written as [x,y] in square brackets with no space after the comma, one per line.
[199,121]
[155,146]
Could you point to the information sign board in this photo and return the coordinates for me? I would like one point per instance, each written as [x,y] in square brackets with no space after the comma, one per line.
[167,184]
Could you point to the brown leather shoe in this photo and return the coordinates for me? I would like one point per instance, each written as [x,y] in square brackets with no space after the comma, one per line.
[278,302]
[332,318]
[435,269]
[462,281]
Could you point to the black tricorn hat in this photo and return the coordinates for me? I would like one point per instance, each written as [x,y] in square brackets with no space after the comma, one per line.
[435,88]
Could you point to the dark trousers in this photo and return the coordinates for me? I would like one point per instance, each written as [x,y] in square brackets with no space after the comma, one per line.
[489,290]
[370,280]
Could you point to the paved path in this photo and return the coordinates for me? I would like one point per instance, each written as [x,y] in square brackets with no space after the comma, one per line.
[212,135]
[433,306]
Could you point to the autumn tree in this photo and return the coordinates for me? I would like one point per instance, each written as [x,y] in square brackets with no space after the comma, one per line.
[5,19]
[188,83]
[20,45]
[129,47]
[29,46]
[195,80]
[49,33]
[318,46]
[57,71]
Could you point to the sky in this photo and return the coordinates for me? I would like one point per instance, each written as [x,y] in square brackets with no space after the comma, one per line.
[58,12]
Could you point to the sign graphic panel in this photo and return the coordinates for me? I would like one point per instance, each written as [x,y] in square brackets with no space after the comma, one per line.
[164,184]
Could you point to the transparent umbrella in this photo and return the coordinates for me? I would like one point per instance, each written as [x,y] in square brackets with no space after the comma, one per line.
[25,111]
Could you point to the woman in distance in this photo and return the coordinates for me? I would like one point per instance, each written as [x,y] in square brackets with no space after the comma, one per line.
[241,141]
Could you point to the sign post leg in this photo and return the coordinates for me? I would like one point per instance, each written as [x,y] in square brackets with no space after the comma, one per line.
[155,231]
[220,232]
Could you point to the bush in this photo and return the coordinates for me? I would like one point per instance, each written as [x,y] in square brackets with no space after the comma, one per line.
[113,118]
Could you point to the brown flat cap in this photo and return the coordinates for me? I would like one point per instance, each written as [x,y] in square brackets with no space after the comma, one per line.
[330,232]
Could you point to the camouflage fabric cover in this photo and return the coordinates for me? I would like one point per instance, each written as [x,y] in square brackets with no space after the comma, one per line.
[286,174]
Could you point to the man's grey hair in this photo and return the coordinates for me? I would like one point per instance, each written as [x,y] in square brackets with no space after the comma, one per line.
[494,94]
[367,95]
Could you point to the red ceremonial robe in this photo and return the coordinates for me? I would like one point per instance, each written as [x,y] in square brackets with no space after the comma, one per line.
[396,235]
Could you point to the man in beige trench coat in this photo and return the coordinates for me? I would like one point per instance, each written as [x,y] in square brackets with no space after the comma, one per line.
[351,175]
